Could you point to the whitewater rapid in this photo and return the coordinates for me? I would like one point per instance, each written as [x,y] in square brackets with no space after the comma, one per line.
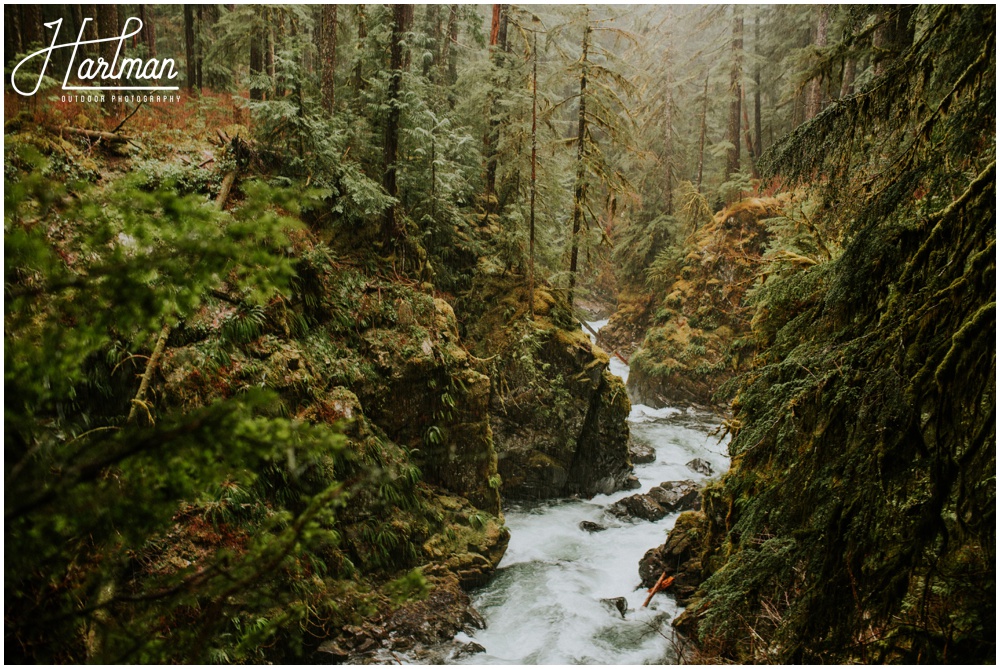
[544,604]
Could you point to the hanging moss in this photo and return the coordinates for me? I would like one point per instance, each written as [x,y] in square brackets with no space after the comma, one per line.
[861,505]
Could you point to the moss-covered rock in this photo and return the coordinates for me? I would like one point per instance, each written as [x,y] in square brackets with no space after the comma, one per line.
[559,417]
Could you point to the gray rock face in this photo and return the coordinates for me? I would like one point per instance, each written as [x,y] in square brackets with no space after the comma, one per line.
[619,604]
[677,495]
[641,453]
[588,526]
[700,466]
[665,498]
[638,506]
[632,483]
[679,556]
[569,438]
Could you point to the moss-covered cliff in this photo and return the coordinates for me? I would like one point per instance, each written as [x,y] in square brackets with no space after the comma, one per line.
[858,521]
[558,415]
[697,336]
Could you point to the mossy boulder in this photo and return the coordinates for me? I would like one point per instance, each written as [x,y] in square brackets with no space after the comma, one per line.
[559,417]
[679,556]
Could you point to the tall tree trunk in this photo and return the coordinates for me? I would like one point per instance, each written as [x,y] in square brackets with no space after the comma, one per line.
[757,145]
[199,47]
[328,57]
[495,24]
[76,12]
[256,62]
[749,142]
[433,23]
[580,192]
[814,99]
[735,93]
[534,162]
[31,25]
[148,29]
[191,60]
[359,80]
[107,27]
[668,147]
[704,131]
[401,15]
[847,81]
[90,30]
[13,42]
[498,43]
[269,55]
[452,53]
[452,45]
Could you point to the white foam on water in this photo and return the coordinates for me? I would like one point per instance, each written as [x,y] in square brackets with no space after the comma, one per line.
[544,604]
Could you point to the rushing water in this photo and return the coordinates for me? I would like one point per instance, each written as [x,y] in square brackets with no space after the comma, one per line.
[544,604]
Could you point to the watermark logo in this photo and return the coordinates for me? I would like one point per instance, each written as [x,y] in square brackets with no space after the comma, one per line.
[108,76]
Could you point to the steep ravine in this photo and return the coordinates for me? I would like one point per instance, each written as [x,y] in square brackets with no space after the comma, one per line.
[552,597]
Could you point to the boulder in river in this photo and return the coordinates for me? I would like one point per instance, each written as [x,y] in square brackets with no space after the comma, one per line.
[632,483]
[700,466]
[638,506]
[619,604]
[640,452]
[677,495]
[590,526]
[679,556]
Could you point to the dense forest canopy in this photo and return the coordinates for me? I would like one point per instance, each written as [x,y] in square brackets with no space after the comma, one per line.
[278,343]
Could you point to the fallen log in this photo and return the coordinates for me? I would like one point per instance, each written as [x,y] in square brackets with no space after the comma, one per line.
[597,338]
[96,135]
[662,583]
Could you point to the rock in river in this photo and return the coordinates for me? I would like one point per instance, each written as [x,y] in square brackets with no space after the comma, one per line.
[700,466]
[677,495]
[638,506]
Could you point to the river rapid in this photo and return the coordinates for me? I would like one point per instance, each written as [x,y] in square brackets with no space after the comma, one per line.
[544,604]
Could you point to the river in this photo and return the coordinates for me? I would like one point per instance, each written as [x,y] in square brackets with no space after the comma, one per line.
[544,604]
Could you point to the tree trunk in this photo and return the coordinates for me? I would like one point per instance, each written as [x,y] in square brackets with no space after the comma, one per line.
[90,30]
[199,47]
[401,15]
[814,99]
[495,24]
[498,43]
[433,22]
[107,27]
[256,67]
[758,146]
[328,57]
[534,162]
[269,56]
[668,148]
[847,81]
[735,93]
[13,43]
[31,26]
[580,192]
[148,30]
[452,44]
[190,58]
[704,131]
[359,81]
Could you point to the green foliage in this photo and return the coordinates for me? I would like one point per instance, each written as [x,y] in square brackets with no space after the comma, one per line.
[412,586]
[862,496]
[87,492]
